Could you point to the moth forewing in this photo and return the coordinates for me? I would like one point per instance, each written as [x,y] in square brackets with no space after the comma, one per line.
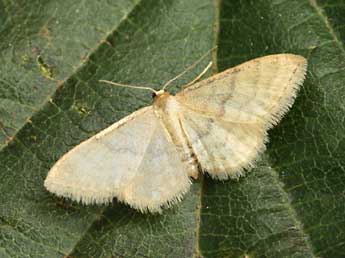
[131,160]
[257,91]
[227,115]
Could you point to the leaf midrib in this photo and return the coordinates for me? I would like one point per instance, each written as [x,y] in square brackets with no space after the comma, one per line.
[214,57]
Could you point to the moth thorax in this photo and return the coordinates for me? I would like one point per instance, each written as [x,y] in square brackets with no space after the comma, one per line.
[160,100]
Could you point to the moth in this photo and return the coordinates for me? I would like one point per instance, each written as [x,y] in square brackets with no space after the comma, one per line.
[217,125]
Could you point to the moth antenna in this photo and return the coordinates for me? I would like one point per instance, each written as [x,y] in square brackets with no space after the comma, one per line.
[200,75]
[128,86]
[188,68]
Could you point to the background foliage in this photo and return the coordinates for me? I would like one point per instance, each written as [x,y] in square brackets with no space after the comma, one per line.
[53,53]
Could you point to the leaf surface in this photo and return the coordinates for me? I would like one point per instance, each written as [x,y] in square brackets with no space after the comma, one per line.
[54,53]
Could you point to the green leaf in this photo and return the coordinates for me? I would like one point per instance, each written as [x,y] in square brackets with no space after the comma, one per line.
[54,53]
[40,40]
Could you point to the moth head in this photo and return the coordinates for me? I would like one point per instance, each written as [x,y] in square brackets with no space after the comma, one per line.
[161,98]
[156,94]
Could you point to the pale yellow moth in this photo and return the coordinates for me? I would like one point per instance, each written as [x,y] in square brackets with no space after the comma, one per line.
[218,125]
